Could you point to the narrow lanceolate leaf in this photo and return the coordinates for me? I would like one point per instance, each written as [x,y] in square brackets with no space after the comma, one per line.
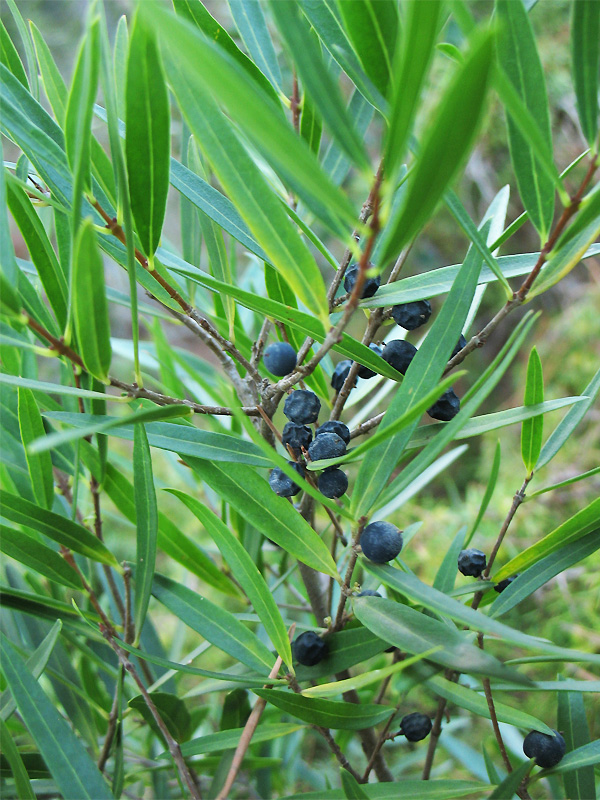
[78,116]
[532,429]
[54,526]
[10,56]
[39,465]
[411,64]
[90,307]
[246,574]
[572,723]
[585,58]
[585,756]
[250,21]
[37,556]
[417,633]
[406,789]
[519,59]
[444,149]
[146,513]
[326,713]
[8,264]
[352,789]
[489,491]
[511,783]
[19,772]
[215,624]
[147,140]
[252,496]
[54,85]
[228,739]
[73,771]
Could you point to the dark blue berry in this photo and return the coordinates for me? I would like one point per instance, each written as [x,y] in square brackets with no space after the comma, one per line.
[471,562]
[365,372]
[282,484]
[340,373]
[546,749]
[308,649]
[326,445]
[302,407]
[399,354]
[296,436]
[502,585]
[335,426]
[280,358]
[381,542]
[370,285]
[333,483]
[368,593]
[412,315]
[462,342]
[415,726]
[446,407]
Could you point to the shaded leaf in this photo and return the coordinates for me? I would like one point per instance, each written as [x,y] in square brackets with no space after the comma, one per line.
[489,491]
[572,723]
[10,56]
[326,713]
[585,60]
[173,711]
[17,768]
[146,514]
[228,739]
[352,789]
[404,790]
[585,756]
[38,557]
[511,783]
[532,429]
[39,465]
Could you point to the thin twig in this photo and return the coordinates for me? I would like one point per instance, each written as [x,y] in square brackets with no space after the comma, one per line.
[111,729]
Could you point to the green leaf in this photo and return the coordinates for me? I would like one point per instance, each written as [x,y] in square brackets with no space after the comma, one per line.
[10,56]
[311,124]
[78,116]
[588,755]
[418,633]
[447,143]
[147,141]
[532,429]
[519,59]
[542,571]
[410,586]
[229,739]
[511,783]
[75,774]
[561,484]
[90,308]
[585,60]
[404,790]
[36,556]
[568,424]
[252,496]
[372,27]
[326,713]
[487,496]
[56,527]
[446,574]
[212,622]
[246,574]
[572,723]
[576,527]
[146,513]
[8,263]
[252,26]
[42,607]
[15,762]
[345,649]
[411,65]
[173,712]
[39,465]
[55,388]
[52,80]
[352,789]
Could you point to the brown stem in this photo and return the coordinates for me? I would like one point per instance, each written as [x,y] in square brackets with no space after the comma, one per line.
[345,590]
[112,728]
[433,738]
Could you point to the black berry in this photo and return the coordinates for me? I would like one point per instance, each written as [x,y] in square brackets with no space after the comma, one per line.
[399,354]
[368,593]
[500,587]
[412,315]
[370,285]
[381,542]
[546,749]
[280,358]
[282,484]
[333,483]
[326,445]
[415,726]
[365,372]
[471,562]
[308,649]
[340,373]
[335,426]
[462,342]
[445,407]
[302,407]
[296,436]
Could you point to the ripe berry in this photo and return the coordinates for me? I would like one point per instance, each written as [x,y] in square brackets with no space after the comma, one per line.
[334,426]
[302,407]
[340,373]
[365,372]
[326,445]
[415,726]
[471,562]
[280,358]
[370,285]
[500,587]
[412,315]
[399,354]
[368,593]
[308,649]
[381,542]
[282,484]
[333,483]
[462,342]
[445,407]
[547,750]
[296,436]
